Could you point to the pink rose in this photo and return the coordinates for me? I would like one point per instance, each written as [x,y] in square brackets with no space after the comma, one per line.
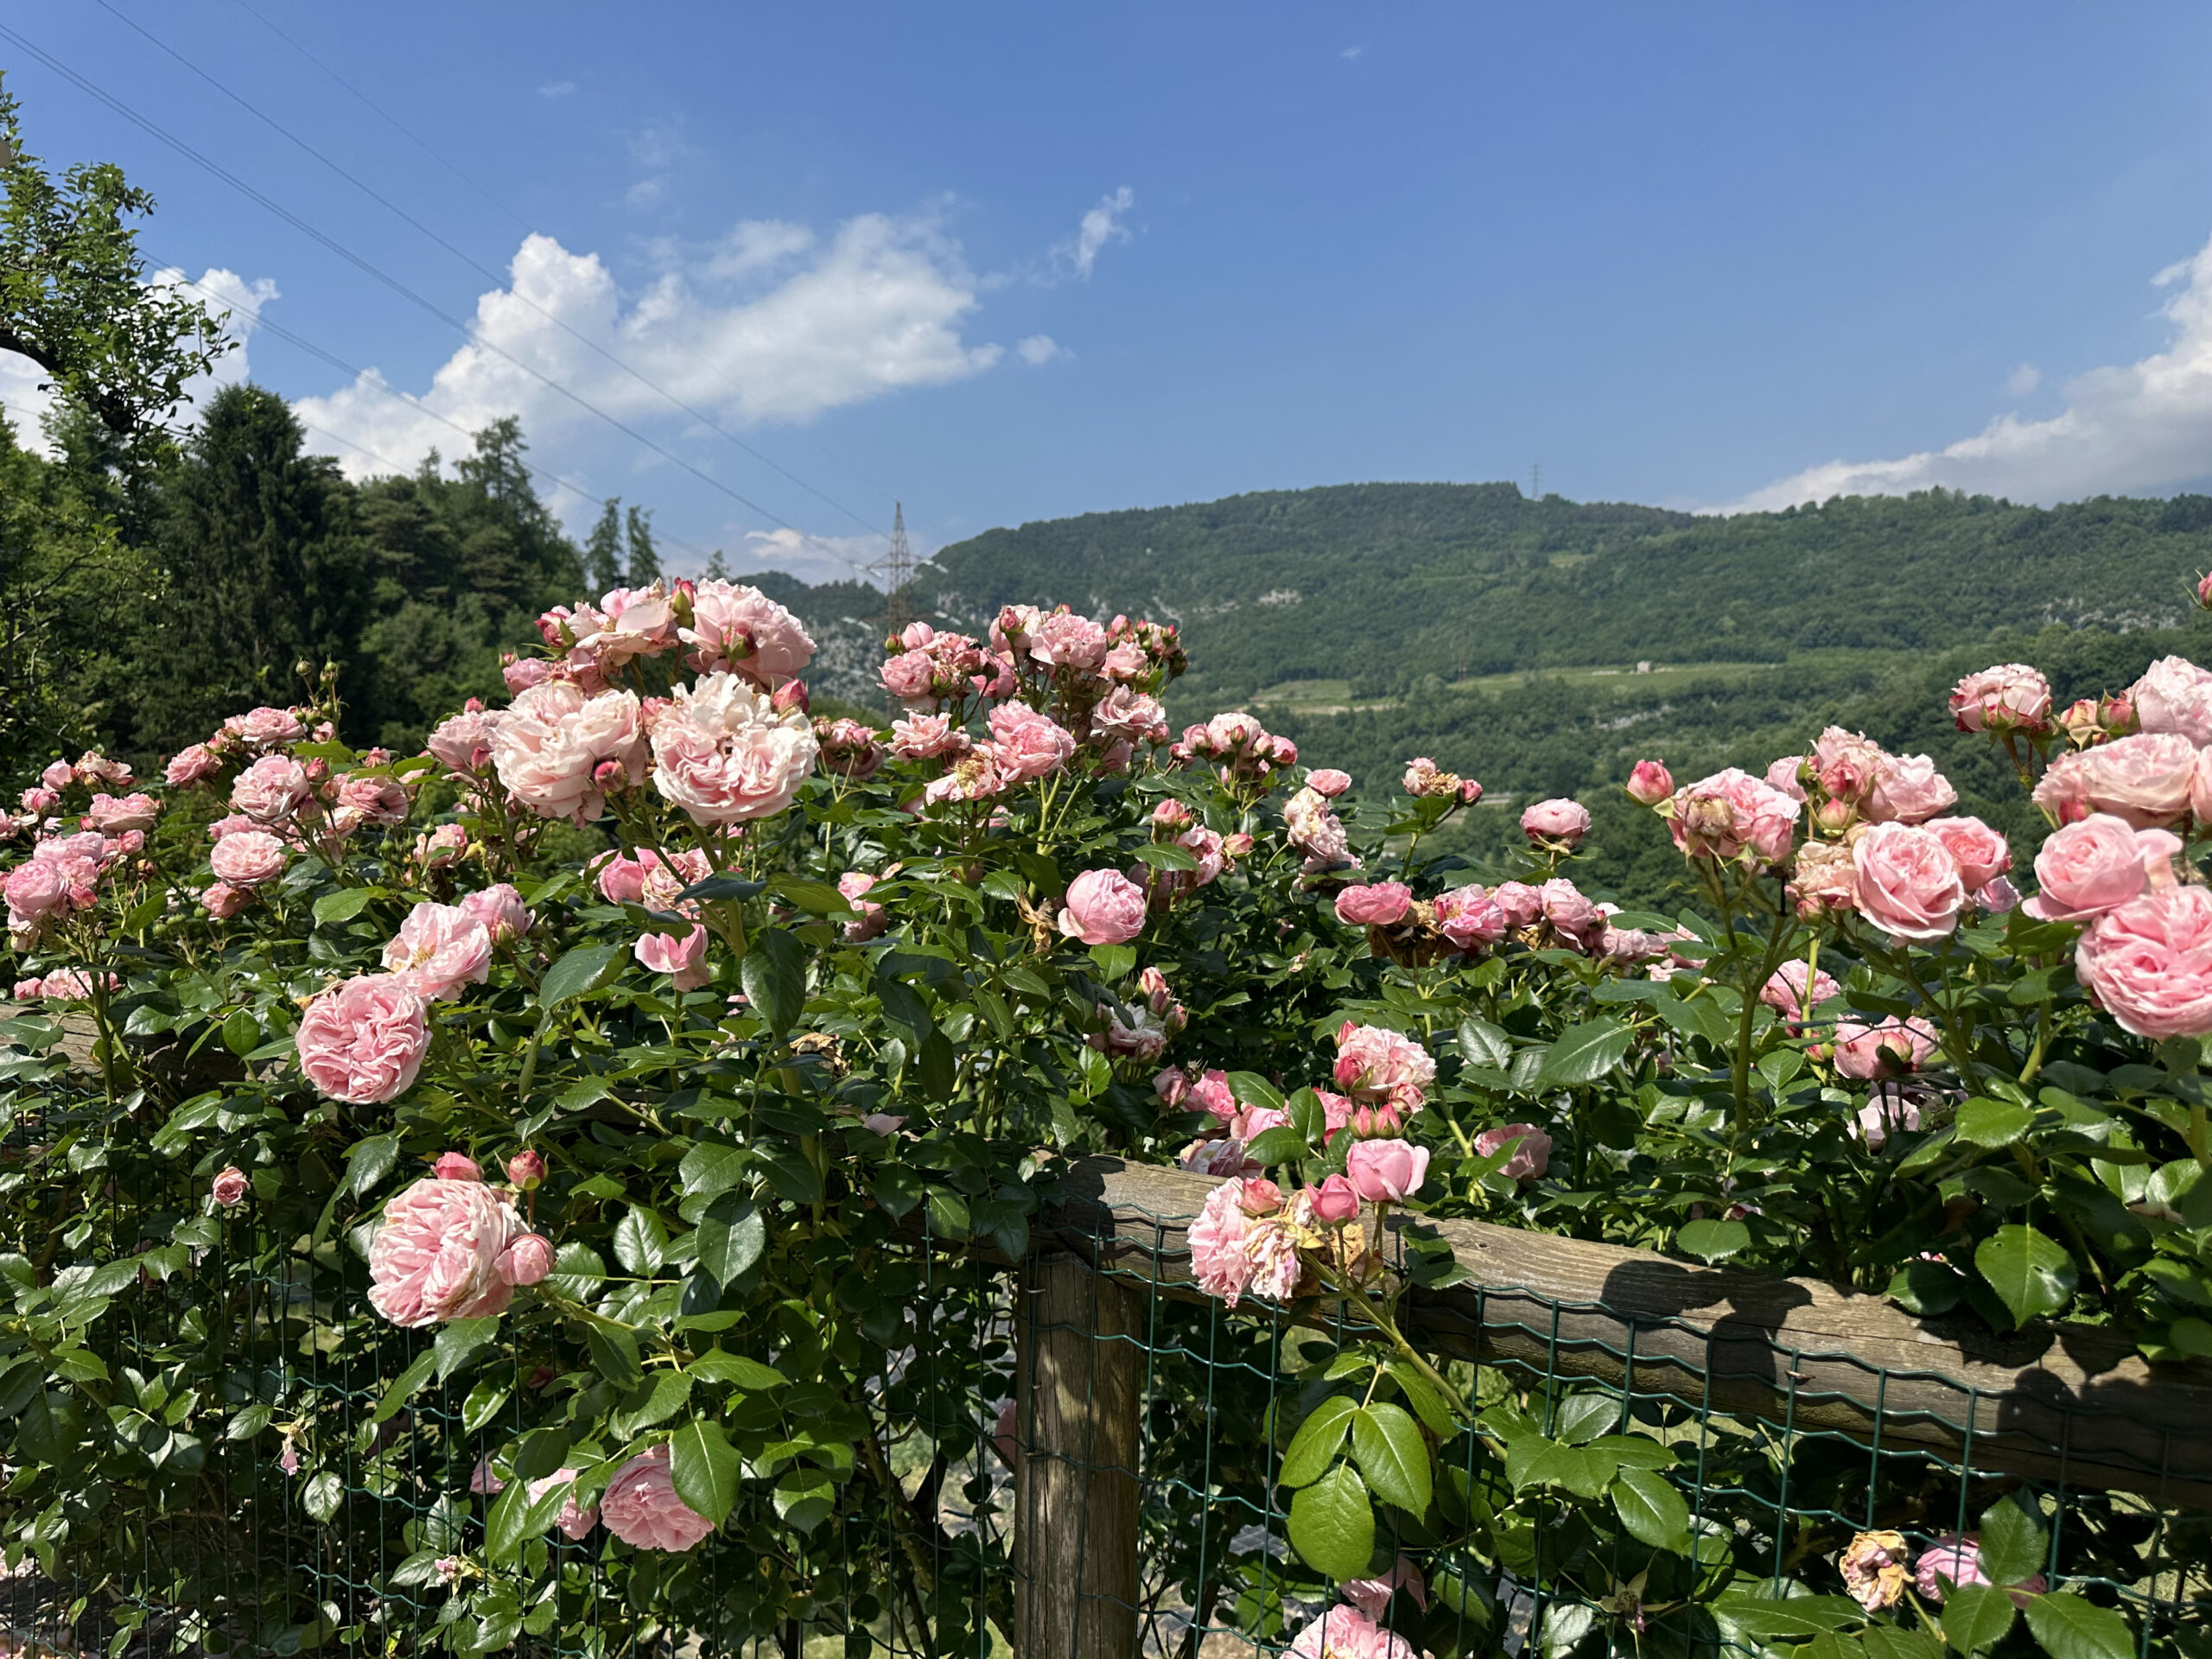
[926,737]
[2175,695]
[436,1254]
[456,1167]
[1557,823]
[854,884]
[1172,1085]
[2010,697]
[1824,880]
[557,750]
[111,816]
[745,629]
[682,956]
[1571,914]
[526,1170]
[1787,775]
[1380,905]
[438,948]
[1065,640]
[1522,903]
[2094,865]
[1374,1065]
[573,1521]
[1029,745]
[1335,1202]
[59,774]
[1348,1633]
[1372,1596]
[1649,782]
[1908,790]
[271,790]
[1386,1172]
[1470,918]
[463,744]
[1785,991]
[1889,1048]
[231,1187]
[1906,882]
[722,753]
[1979,851]
[1532,1149]
[1219,1261]
[190,764]
[1733,814]
[501,911]
[2145,780]
[641,1506]
[2149,963]
[248,859]
[265,728]
[1955,1563]
[525,673]
[363,1039]
[224,901]
[1327,782]
[1103,907]
[34,890]
[526,1262]
[1873,1568]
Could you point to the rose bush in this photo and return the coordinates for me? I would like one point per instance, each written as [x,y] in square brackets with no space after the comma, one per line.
[752,1010]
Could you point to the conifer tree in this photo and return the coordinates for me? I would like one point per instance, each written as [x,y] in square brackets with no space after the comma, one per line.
[603,552]
[644,559]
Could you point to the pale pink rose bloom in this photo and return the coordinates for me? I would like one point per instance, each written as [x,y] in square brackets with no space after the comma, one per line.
[621,878]
[1277,1269]
[1205,1157]
[1733,814]
[1383,905]
[1209,1091]
[1889,1108]
[1103,907]
[483,1481]
[1563,822]
[1327,782]
[263,728]
[1425,778]
[1980,851]
[363,1039]
[1335,1201]
[1470,918]
[1385,1170]
[2010,697]
[973,776]
[36,889]
[553,740]
[2145,780]
[1522,903]
[59,774]
[1650,783]
[2149,963]
[2175,695]
[640,622]
[442,847]
[1823,881]
[926,737]
[1785,777]
[231,1187]
[231,824]
[742,627]
[111,816]
[723,753]
[526,1262]
[438,948]
[248,858]
[1372,1596]
[854,884]
[500,908]
[523,673]
[271,790]
[1066,640]
[1532,1149]
[288,1458]
[1874,1568]
[2094,865]
[849,749]
[683,957]
[436,1254]
[379,801]
[1905,882]
[574,1522]
[1909,789]
[1957,1561]
[38,800]
[1846,763]
[457,1166]
[1172,1084]
[641,1506]
[224,901]
[463,744]
[1141,1035]
[1374,1065]
[1570,914]
[1785,990]
[661,886]
[1130,715]
[1348,1633]
[1996,897]
[1028,745]
[1219,1261]
[1010,632]
[1889,1048]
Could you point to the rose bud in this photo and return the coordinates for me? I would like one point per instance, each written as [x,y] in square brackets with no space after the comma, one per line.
[1650,783]
[1335,1201]
[231,1187]
[525,1170]
[526,1262]
[791,694]
[1386,1172]
[456,1167]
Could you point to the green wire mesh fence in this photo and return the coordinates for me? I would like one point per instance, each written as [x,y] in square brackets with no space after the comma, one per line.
[1081,1456]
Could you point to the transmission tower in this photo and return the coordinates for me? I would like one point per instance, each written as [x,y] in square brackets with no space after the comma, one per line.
[895,569]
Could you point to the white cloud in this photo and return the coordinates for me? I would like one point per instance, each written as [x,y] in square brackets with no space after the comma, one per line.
[1352,53]
[820,558]
[1102,224]
[556,89]
[2139,428]
[2024,380]
[769,325]
[1038,349]
[221,292]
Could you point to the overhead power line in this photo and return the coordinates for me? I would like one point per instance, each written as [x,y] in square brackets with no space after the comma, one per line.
[370,268]
[483,270]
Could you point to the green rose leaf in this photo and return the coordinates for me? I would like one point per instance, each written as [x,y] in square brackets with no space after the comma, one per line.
[1314,1446]
[1584,1053]
[1985,1122]
[1651,1509]
[2014,1542]
[704,1466]
[2070,1627]
[774,977]
[1386,1443]
[2031,1273]
[584,969]
[1332,1524]
[732,1237]
[1713,1240]
[1978,1616]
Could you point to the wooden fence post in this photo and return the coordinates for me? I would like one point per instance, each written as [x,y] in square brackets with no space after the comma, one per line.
[1077,1412]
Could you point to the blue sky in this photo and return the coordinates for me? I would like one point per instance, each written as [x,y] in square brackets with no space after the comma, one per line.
[1016,261]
